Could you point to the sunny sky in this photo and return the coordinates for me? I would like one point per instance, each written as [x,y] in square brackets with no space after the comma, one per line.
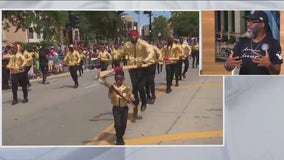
[144,19]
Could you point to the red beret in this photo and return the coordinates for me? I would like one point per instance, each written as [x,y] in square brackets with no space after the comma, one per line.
[133,33]
[15,46]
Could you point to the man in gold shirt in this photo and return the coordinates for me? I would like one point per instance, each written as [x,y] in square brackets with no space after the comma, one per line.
[73,59]
[29,64]
[150,77]
[139,52]
[17,65]
[104,57]
[116,52]
[186,52]
[171,53]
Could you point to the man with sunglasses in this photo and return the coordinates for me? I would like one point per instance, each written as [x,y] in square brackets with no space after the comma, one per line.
[258,53]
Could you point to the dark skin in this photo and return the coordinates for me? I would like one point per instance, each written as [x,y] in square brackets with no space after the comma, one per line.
[119,81]
[261,61]
[133,39]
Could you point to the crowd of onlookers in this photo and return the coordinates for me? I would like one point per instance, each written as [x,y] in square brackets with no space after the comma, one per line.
[56,53]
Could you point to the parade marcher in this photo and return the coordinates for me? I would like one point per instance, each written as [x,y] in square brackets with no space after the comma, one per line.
[29,64]
[83,57]
[195,53]
[179,61]
[17,65]
[186,52]
[171,53]
[116,55]
[72,60]
[139,52]
[159,65]
[258,53]
[120,107]
[105,57]
[150,77]
[43,63]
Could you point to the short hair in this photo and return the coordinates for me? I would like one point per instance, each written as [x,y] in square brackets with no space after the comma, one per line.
[119,72]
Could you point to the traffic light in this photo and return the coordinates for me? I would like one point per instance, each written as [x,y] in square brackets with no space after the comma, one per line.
[74,21]
[150,28]
[77,21]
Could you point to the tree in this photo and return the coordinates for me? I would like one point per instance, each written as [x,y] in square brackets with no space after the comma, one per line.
[50,23]
[185,23]
[102,24]
[160,25]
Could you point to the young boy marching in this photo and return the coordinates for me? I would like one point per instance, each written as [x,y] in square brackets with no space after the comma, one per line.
[120,95]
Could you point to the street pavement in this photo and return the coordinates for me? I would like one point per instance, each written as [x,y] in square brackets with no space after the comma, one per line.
[58,114]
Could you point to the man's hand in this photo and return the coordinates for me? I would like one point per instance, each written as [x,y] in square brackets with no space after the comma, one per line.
[233,62]
[261,61]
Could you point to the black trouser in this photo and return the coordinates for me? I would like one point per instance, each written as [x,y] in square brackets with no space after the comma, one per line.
[73,73]
[138,80]
[159,67]
[186,65]
[44,71]
[81,71]
[27,68]
[116,63]
[150,81]
[104,65]
[179,68]
[120,115]
[5,78]
[171,70]
[19,78]
[195,58]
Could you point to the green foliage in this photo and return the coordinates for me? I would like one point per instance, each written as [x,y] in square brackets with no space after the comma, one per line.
[160,25]
[49,23]
[185,23]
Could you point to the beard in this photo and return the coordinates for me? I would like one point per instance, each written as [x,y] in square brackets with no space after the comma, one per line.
[253,33]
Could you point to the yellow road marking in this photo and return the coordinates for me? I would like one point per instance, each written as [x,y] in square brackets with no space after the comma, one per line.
[97,138]
[159,92]
[173,137]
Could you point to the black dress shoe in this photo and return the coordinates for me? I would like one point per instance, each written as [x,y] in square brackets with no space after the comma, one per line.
[25,100]
[14,102]
[46,82]
[152,100]
[143,107]
[168,90]
[120,141]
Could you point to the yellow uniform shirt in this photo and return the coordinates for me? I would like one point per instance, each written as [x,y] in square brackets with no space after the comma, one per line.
[28,57]
[157,54]
[72,58]
[17,63]
[172,52]
[186,49]
[116,54]
[138,53]
[104,56]
[116,99]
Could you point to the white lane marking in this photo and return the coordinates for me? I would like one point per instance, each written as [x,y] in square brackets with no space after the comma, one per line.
[93,85]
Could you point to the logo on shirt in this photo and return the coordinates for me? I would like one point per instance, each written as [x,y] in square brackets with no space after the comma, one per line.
[264,46]
[279,55]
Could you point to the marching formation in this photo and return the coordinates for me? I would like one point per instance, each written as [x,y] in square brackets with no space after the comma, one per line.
[139,57]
